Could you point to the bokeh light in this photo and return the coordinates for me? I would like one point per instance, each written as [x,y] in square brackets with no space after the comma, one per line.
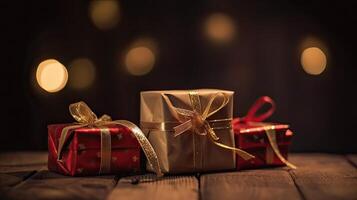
[139,60]
[104,13]
[313,60]
[220,28]
[81,73]
[51,75]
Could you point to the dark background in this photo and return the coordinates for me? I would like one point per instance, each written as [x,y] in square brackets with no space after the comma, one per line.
[263,59]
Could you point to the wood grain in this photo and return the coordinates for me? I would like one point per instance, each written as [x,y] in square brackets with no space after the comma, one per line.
[22,161]
[16,167]
[13,178]
[23,158]
[353,159]
[148,187]
[48,185]
[324,176]
[249,184]
[24,175]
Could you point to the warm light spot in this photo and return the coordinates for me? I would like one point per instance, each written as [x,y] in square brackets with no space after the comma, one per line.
[220,28]
[51,75]
[81,73]
[139,60]
[313,60]
[289,133]
[104,14]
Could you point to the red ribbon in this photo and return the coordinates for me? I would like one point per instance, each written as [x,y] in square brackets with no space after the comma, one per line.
[252,113]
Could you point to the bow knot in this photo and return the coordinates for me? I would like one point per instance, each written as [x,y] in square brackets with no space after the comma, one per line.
[195,119]
[198,123]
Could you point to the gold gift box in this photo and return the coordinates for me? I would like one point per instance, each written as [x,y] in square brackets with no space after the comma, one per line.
[187,129]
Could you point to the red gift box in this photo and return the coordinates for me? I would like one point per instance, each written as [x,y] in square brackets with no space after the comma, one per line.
[94,146]
[81,154]
[268,142]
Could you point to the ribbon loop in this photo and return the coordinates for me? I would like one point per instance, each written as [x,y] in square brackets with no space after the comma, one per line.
[258,104]
[252,112]
[81,112]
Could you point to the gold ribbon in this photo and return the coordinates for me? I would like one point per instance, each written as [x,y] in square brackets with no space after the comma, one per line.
[105,150]
[196,119]
[86,118]
[271,134]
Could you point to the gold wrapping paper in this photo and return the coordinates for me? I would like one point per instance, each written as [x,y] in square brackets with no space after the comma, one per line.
[189,151]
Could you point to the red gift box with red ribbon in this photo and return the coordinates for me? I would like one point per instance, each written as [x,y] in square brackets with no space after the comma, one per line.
[267,142]
[95,146]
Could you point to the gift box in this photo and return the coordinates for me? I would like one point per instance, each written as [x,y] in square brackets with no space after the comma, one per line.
[95,146]
[190,130]
[268,142]
[82,153]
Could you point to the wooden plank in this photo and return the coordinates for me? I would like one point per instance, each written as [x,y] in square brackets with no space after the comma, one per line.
[22,168]
[353,159]
[16,167]
[48,185]
[249,184]
[148,187]
[23,158]
[324,176]
[305,161]
[13,178]
[22,161]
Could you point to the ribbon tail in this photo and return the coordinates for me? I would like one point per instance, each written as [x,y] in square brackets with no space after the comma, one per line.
[207,113]
[179,129]
[145,145]
[245,155]
[211,132]
[272,140]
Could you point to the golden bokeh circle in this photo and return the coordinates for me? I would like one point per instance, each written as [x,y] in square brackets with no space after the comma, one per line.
[51,75]
[81,73]
[139,60]
[313,60]
[104,13]
[220,28]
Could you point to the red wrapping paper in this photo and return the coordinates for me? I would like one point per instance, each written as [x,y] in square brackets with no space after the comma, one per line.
[251,137]
[82,151]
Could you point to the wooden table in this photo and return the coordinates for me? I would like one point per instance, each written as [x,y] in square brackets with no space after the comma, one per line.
[24,175]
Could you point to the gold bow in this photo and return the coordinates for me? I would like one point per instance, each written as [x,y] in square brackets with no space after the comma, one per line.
[196,119]
[86,118]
